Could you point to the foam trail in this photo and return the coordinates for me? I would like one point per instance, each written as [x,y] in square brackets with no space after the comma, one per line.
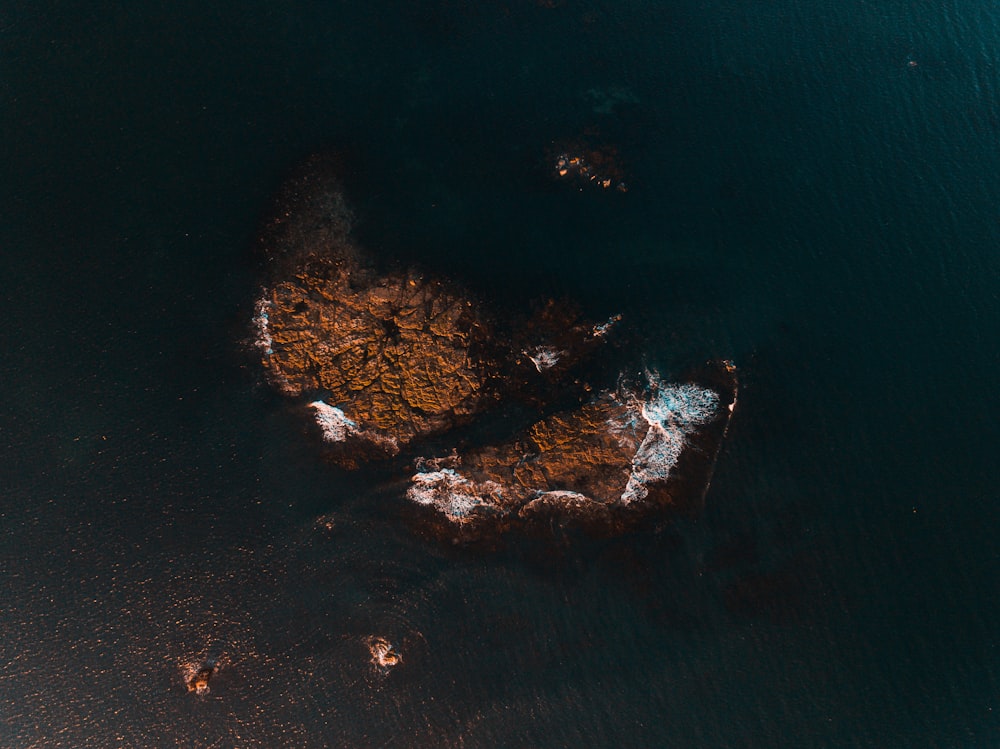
[731,368]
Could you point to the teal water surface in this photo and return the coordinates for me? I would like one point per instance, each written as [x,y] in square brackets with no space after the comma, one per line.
[813,193]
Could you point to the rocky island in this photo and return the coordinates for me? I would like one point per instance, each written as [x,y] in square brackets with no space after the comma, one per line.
[386,359]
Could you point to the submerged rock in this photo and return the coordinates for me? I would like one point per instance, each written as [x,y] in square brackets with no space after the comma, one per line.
[197,679]
[585,163]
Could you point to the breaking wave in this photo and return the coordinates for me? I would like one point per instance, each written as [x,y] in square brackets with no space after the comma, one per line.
[672,413]
[452,494]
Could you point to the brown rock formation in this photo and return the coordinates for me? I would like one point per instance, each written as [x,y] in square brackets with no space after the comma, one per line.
[394,354]
[603,465]
[383,654]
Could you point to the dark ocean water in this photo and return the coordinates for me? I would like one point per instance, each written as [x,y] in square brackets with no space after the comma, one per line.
[814,193]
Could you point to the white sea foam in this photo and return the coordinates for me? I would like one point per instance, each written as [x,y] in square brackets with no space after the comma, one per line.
[544,357]
[452,494]
[563,495]
[656,424]
[263,339]
[334,422]
[337,427]
[672,412]
[688,406]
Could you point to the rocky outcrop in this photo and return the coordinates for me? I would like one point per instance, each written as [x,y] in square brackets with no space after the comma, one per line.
[606,464]
[394,355]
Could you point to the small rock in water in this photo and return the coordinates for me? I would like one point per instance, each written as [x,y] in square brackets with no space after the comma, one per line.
[383,655]
[198,682]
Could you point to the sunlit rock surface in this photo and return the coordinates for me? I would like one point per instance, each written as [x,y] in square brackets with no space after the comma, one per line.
[393,356]
[607,463]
